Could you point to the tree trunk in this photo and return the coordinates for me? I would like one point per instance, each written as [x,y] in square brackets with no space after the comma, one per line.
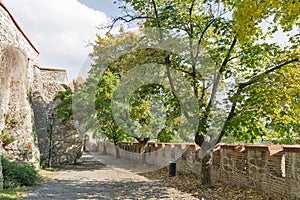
[117,151]
[206,171]
[104,148]
[206,166]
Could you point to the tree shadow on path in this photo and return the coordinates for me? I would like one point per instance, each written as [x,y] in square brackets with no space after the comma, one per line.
[67,189]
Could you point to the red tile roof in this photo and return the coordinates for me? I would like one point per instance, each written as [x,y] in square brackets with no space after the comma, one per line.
[78,81]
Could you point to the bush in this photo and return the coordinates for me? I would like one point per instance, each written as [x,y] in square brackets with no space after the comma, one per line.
[16,174]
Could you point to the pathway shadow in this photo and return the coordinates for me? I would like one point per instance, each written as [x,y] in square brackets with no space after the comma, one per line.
[67,189]
[89,164]
[125,164]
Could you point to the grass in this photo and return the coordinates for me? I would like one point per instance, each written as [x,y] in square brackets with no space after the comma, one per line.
[16,193]
[12,194]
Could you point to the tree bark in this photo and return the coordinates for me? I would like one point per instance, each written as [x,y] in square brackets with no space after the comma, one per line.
[104,148]
[206,170]
[117,151]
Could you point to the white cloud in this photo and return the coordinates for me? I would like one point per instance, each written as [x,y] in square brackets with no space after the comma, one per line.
[59,29]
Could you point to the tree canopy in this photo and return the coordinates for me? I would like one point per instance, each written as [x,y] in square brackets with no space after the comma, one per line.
[231,82]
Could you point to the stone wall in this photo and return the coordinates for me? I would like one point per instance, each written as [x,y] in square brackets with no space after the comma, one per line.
[273,169]
[18,57]
[67,142]
[67,145]
[51,82]
[48,84]
[26,98]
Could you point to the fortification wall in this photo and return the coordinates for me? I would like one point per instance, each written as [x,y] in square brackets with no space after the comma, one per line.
[273,169]
[26,94]
[48,82]
[18,57]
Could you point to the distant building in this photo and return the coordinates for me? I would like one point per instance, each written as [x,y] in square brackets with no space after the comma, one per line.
[78,81]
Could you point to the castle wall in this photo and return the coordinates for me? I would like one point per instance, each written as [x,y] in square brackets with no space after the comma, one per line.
[26,92]
[48,83]
[18,57]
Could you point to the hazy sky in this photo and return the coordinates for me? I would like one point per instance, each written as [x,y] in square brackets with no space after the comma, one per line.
[62,29]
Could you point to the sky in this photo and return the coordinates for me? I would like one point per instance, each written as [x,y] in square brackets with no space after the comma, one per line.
[62,29]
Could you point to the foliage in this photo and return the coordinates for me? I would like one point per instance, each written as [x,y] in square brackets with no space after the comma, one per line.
[18,174]
[103,115]
[17,193]
[249,15]
[121,53]
[64,108]
[244,66]
[100,84]
[5,138]
[241,56]
[152,105]
[269,110]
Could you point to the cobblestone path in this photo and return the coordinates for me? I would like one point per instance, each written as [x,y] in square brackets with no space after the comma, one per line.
[104,177]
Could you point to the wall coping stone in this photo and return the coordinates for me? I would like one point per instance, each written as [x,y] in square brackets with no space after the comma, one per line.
[52,69]
[272,149]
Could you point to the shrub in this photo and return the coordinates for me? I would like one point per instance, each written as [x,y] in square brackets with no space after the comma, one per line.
[16,174]
[6,138]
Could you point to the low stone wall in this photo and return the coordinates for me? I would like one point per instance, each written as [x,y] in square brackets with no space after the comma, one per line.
[67,145]
[273,169]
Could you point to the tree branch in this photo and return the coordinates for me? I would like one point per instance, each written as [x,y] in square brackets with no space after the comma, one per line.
[256,78]
[126,18]
[248,83]
[217,80]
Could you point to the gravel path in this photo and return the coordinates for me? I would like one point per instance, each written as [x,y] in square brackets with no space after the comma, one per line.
[104,177]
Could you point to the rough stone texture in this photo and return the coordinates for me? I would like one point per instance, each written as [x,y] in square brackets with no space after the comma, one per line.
[67,147]
[274,169]
[67,142]
[48,83]
[51,82]
[18,57]
[26,97]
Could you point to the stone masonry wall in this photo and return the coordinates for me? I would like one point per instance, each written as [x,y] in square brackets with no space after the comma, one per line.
[273,169]
[49,83]
[26,97]
[18,57]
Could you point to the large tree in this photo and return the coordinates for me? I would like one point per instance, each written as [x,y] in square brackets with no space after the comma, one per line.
[153,112]
[240,55]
